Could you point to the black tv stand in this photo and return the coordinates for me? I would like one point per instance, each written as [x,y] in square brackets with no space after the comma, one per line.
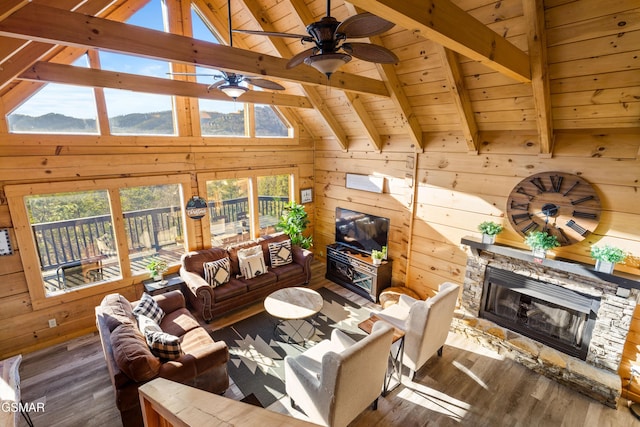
[355,271]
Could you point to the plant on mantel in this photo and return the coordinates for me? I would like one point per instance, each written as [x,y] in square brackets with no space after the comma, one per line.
[607,256]
[489,230]
[540,242]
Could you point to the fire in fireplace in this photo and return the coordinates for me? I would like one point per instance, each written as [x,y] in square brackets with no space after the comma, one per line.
[553,315]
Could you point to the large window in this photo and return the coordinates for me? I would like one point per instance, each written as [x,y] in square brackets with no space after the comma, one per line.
[104,232]
[245,205]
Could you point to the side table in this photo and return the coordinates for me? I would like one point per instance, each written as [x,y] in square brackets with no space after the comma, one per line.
[394,359]
[170,283]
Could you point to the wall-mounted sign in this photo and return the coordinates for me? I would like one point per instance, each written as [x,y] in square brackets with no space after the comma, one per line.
[375,184]
[306,195]
[196,207]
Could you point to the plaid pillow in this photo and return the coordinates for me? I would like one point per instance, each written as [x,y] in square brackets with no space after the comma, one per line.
[163,345]
[150,308]
[217,272]
[280,253]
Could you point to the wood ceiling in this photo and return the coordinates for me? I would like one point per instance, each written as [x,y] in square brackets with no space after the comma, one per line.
[466,66]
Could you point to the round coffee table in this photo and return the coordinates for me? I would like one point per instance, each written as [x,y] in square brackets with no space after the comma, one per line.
[293,307]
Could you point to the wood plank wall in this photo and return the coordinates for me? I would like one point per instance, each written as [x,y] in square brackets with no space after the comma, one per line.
[456,191]
[50,158]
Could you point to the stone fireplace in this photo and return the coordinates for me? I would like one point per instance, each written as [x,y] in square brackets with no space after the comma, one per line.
[561,319]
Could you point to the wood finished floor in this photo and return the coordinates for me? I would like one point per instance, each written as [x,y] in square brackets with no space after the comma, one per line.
[468,386]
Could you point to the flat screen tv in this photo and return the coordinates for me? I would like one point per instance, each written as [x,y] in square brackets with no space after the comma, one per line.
[361,231]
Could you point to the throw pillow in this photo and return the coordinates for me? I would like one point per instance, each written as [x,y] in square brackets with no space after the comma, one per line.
[146,323]
[163,345]
[243,254]
[252,265]
[217,272]
[280,253]
[150,308]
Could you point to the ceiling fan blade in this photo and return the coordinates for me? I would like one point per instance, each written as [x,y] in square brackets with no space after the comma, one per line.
[196,74]
[275,34]
[364,25]
[263,83]
[300,57]
[216,84]
[370,52]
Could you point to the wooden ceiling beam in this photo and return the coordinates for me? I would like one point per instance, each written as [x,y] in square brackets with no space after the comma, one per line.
[29,52]
[453,73]
[389,76]
[52,25]
[7,7]
[536,37]
[311,92]
[80,76]
[442,21]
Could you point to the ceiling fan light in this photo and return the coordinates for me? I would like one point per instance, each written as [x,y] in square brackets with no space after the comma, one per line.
[233,90]
[327,63]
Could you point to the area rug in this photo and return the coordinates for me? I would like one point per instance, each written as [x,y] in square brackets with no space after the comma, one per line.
[257,352]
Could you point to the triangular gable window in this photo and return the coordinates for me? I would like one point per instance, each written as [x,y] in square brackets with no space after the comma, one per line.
[57,108]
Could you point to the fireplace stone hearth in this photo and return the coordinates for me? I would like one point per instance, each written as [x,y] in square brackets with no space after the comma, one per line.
[597,375]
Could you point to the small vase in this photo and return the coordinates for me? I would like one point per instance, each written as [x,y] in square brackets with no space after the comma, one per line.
[489,238]
[539,253]
[376,261]
[604,266]
[157,277]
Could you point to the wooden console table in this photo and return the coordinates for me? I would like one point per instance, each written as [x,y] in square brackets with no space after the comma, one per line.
[168,403]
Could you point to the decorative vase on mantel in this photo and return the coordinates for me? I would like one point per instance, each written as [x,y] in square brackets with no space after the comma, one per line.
[489,239]
[539,253]
[605,266]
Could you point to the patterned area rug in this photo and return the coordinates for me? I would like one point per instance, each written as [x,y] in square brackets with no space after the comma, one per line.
[257,350]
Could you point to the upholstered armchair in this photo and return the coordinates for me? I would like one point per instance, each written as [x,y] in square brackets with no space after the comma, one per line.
[337,379]
[425,323]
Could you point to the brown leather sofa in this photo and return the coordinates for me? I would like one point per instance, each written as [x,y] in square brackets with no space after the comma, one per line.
[210,302]
[131,363]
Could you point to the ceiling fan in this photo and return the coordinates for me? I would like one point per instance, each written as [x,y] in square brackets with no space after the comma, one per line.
[229,83]
[331,49]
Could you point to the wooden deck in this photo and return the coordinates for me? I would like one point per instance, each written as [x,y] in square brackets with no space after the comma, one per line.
[468,386]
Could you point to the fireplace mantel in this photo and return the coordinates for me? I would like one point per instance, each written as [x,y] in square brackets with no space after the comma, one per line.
[574,267]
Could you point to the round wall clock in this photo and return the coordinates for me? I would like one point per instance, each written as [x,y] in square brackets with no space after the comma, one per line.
[562,204]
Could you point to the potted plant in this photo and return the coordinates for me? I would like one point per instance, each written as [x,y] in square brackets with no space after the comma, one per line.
[540,242]
[607,257]
[293,222]
[157,267]
[377,256]
[489,230]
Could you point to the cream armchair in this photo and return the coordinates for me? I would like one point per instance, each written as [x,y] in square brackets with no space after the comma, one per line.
[337,379]
[425,323]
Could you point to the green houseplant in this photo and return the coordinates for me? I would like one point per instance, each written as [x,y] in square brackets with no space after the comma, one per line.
[377,256]
[293,222]
[607,257]
[540,242]
[489,230]
[157,267]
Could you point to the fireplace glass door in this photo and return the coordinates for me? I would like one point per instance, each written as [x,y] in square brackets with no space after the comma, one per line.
[555,316]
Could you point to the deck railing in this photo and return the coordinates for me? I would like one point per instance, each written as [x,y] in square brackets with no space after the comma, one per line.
[62,242]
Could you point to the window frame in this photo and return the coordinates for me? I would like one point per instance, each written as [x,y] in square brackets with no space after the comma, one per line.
[27,245]
[252,176]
